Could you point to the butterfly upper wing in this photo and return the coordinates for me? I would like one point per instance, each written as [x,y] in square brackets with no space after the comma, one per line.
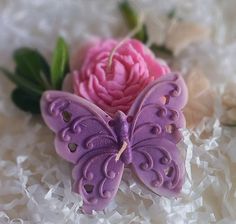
[84,137]
[79,125]
[161,104]
[154,132]
[98,177]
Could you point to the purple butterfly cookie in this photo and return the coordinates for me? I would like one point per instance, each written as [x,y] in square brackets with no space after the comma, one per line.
[101,146]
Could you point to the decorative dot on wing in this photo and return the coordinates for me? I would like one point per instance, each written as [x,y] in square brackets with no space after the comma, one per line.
[88,188]
[72,147]
[174,116]
[170,128]
[174,93]
[107,194]
[161,112]
[144,166]
[66,116]
[156,183]
[168,171]
[164,160]
[155,130]
[165,99]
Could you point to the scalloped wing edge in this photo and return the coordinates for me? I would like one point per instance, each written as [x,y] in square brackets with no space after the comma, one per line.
[171,77]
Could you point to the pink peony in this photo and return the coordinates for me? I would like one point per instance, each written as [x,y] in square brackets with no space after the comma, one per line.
[111,73]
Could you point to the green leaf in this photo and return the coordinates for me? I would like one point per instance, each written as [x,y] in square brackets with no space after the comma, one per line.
[30,65]
[20,81]
[161,50]
[129,14]
[25,101]
[132,20]
[171,14]
[60,63]
[142,34]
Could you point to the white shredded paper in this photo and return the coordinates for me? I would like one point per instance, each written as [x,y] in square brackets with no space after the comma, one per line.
[35,184]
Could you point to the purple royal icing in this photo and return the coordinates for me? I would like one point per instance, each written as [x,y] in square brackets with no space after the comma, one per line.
[101,146]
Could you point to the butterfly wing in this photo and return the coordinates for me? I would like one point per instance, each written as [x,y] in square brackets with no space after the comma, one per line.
[154,133]
[84,137]
[79,125]
[98,177]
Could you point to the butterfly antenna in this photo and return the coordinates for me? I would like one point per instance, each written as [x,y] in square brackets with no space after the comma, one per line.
[122,149]
[130,34]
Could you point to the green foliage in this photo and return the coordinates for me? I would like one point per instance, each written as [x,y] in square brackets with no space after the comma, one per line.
[26,102]
[60,61]
[131,18]
[33,75]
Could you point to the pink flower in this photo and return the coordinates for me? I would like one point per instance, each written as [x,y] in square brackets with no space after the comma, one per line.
[111,73]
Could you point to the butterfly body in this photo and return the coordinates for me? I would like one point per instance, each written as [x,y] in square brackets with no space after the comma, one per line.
[101,146]
[122,132]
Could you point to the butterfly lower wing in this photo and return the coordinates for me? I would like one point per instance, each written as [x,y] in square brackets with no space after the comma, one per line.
[97,177]
[158,164]
[155,131]
[79,125]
